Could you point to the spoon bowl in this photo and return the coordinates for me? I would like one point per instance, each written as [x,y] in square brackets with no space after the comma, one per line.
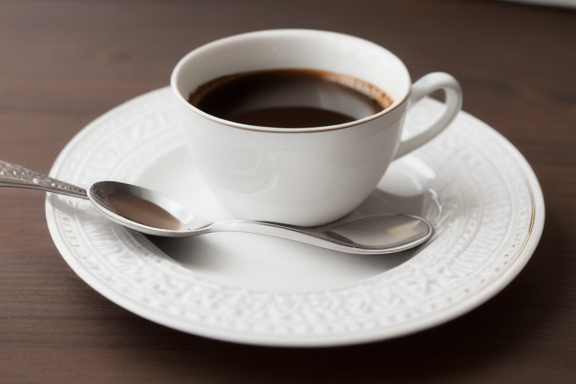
[142,209]
[152,213]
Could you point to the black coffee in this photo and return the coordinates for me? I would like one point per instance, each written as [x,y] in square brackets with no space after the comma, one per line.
[289,98]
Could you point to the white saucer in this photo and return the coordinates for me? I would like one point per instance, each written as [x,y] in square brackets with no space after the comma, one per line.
[479,193]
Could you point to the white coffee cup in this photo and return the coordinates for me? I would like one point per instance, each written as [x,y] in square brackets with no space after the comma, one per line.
[303,176]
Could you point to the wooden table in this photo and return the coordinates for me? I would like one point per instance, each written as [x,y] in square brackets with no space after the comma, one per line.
[64,63]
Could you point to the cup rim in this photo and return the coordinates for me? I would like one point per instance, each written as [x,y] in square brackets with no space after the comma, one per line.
[177,69]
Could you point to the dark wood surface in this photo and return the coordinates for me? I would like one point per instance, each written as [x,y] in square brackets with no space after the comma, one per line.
[64,63]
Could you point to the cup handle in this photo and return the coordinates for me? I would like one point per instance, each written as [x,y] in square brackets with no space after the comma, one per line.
[423,87]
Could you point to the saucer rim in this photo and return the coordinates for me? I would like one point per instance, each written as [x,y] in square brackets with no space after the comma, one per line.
[314,340]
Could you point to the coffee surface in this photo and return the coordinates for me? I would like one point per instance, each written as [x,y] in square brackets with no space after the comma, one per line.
[289,98]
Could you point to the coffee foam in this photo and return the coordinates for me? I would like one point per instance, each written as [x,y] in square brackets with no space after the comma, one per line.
[375,93]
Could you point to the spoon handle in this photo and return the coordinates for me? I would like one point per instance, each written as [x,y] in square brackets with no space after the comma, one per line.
[376,234]
[12,175]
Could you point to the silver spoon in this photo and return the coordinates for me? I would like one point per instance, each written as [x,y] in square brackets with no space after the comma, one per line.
[151,213]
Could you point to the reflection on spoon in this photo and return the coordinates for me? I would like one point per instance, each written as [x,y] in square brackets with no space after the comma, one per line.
[141,211]
[151,213]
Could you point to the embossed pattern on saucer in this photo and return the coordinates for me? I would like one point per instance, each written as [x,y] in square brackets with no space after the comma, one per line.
[472,184]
